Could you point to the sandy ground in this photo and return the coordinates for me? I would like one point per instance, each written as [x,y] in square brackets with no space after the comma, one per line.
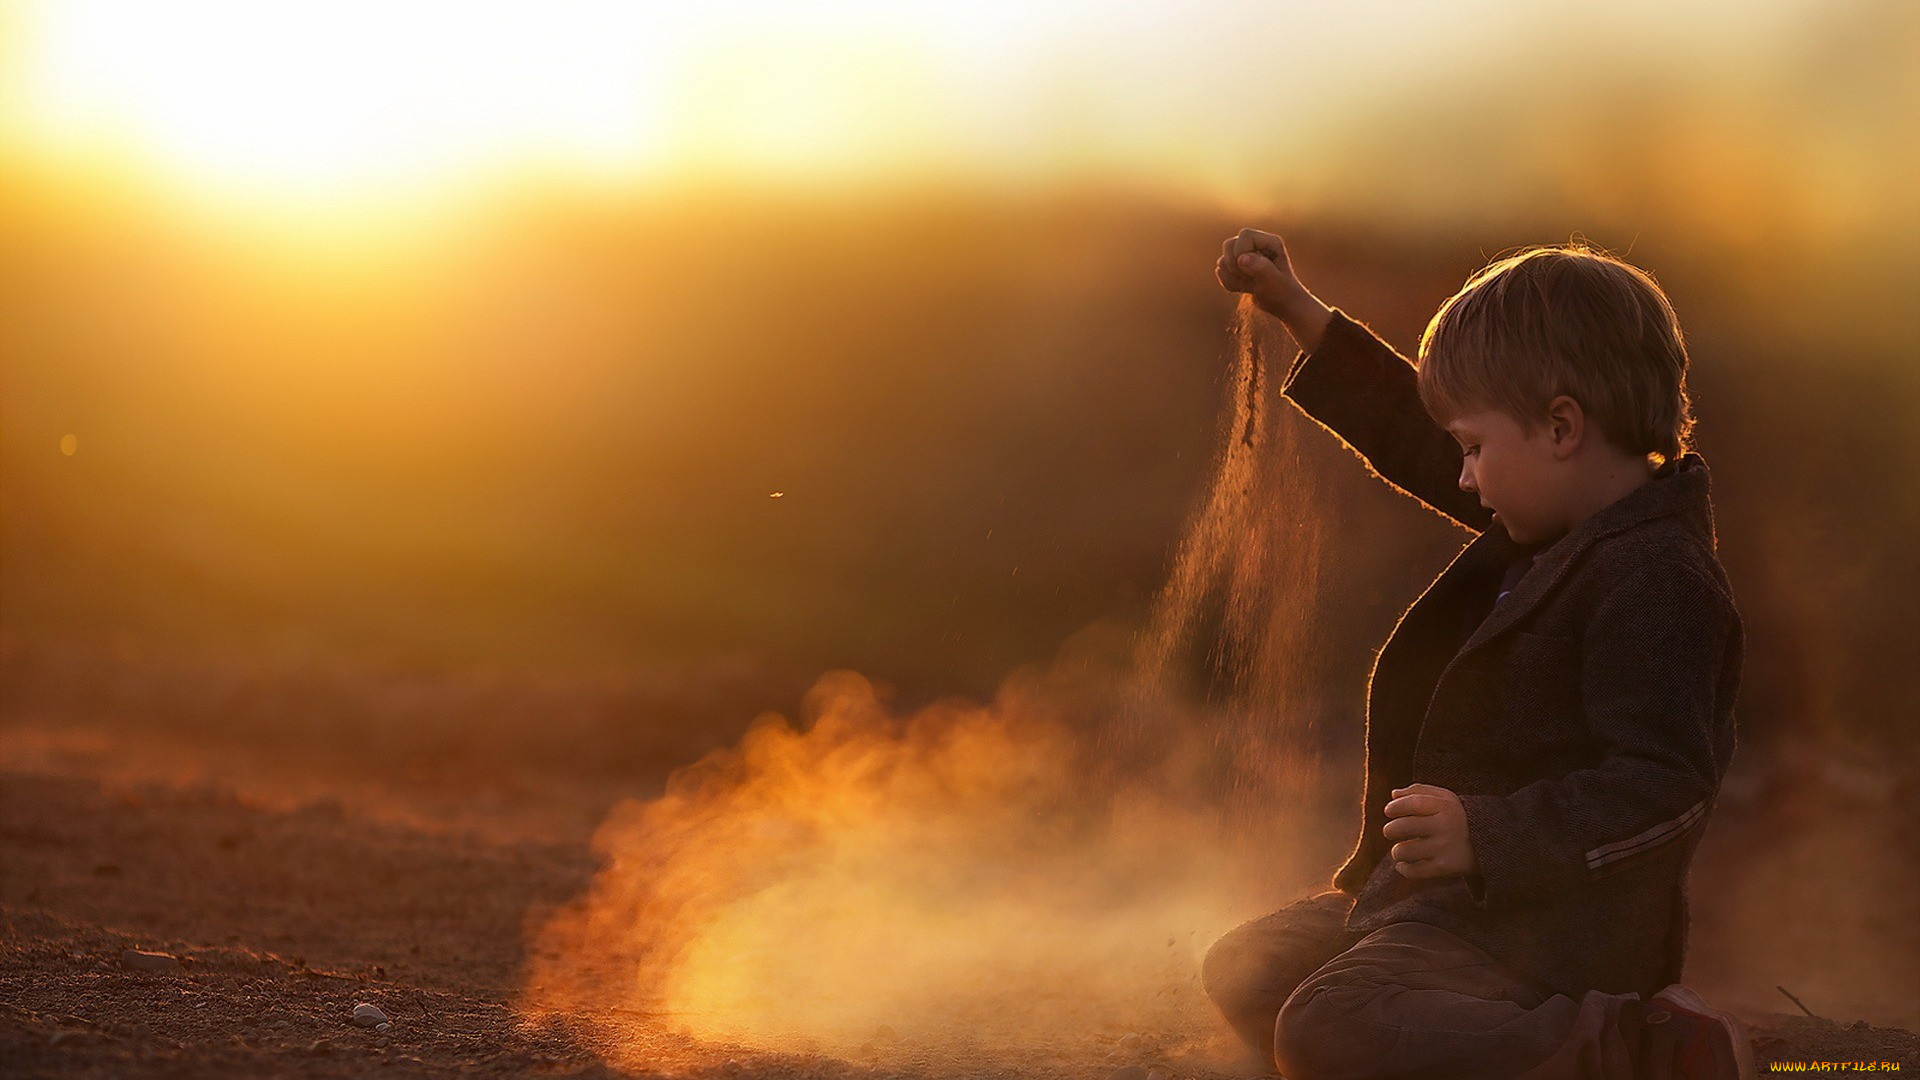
[290,891]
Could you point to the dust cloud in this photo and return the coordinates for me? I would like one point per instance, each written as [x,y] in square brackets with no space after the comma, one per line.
[1030,875]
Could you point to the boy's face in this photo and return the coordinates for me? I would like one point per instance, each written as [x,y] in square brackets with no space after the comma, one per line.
[1513,471]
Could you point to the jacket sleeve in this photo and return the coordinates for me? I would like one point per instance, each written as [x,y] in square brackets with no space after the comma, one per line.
[1359,388]
[1651,671]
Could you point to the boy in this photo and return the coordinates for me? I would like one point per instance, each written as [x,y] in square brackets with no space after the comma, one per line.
[1548,724]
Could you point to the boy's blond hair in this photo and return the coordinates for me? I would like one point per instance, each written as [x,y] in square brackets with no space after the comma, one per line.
[1563,320]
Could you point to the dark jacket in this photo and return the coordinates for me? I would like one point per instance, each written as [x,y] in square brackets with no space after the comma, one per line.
[1585,723]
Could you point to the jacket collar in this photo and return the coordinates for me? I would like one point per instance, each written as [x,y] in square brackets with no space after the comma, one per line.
[1678,489]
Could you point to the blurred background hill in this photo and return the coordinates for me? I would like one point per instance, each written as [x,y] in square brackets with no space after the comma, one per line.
[588,465]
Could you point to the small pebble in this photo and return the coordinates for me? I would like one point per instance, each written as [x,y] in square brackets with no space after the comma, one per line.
[135,960]
[367,1014]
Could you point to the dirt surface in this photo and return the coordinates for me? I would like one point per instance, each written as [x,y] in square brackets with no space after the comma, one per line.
[290,892]
[285,910]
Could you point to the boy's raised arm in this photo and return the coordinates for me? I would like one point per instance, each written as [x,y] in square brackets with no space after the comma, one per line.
[1353,383]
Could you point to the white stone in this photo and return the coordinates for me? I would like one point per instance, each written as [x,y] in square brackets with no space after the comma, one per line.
[135,960]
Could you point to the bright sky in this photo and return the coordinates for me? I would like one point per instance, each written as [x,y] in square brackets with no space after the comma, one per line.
[246,99]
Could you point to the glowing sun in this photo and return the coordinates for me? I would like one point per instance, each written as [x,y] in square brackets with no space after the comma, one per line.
[298,96]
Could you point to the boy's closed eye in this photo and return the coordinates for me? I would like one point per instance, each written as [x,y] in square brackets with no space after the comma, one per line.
[1464,434]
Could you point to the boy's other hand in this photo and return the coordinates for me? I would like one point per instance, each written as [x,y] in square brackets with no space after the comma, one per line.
[1429,830]
[1256,263]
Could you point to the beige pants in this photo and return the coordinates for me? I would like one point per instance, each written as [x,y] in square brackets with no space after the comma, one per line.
[1409,1000]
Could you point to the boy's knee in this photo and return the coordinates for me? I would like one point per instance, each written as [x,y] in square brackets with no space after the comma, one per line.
[1227,971]
[1314,1036]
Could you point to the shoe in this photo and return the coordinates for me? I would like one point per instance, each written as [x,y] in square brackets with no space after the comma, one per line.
[1686,1039]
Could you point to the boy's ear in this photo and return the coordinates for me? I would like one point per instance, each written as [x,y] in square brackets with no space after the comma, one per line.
[1566,425]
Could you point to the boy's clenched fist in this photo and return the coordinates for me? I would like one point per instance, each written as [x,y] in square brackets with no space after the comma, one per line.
[1429,830]
[1256,263]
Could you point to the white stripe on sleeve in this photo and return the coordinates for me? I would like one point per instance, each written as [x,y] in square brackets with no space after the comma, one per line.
[1659,834]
